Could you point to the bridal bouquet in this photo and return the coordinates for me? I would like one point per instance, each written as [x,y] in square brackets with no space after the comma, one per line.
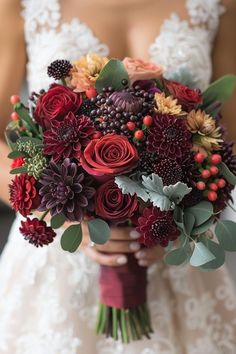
[115,143]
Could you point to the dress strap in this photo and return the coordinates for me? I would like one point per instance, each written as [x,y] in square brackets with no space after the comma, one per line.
[40,15]
[205,14]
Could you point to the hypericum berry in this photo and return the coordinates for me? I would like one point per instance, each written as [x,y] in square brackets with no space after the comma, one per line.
[139,134]
[131,125]
[101,119]
[199,157]
[147,120]
[213,187]
[91,92]
[97,135]
[205,174]
[15,116]
[212,196]
[216,159]
[214,170]
[15,99]
[201,185]
[221,183]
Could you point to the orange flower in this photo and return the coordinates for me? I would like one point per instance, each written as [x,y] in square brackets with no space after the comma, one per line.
[85,72]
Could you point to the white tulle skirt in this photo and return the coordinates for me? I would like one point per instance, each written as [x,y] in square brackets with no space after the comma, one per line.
[48,304]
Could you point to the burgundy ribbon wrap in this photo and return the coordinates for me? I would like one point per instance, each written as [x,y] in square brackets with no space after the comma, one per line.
[124,286]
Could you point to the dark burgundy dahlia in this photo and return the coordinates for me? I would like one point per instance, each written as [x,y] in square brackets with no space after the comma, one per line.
[169,136]
[66,189]
[157,227]
[37,232]
[23,194]
[66,138]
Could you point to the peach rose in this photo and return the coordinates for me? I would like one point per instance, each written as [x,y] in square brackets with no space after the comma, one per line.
[142,70]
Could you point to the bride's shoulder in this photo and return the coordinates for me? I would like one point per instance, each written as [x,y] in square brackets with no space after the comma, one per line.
[11,24]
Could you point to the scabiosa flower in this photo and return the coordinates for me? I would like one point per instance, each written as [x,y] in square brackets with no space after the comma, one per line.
[147,161]
[169,170]
[66,189]
[66,138]
[37,232]
[126,101]
[23,194]
[157,227]
[169,136]
[59,69]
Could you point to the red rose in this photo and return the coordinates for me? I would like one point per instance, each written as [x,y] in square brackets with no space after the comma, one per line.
[112,154]
[188,98]
[112,205]
[54,104]
[23,194]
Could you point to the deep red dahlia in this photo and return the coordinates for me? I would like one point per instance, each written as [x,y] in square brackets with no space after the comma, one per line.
[66,138]
[157,227]
[37,232]
[169,136]
[23,194]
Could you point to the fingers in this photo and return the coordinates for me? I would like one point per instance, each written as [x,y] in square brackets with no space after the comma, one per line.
[119,246]
[112,260]
[149,256]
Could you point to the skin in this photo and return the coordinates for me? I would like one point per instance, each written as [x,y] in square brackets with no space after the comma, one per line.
[134,24]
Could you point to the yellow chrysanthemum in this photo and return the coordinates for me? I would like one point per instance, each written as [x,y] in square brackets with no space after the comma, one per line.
[167,105]
[204,129]
[85,71]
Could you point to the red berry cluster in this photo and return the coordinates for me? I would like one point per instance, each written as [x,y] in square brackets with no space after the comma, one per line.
[139,133]
[14,100]
[209,182]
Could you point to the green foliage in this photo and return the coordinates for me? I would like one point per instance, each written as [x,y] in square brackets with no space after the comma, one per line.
[57,221]
[201,255]
[71,238]
[227,174]
[99,231]
[226,233]
[15,154]
[219,90]
[189,222]
[179,255]
[26,119]
[112,74]
[201,212]
[217,251]
[17,170]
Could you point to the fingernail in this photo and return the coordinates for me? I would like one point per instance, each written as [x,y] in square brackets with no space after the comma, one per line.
[121,260]
[134,246]
[140,254]
[143,263]
[134,234]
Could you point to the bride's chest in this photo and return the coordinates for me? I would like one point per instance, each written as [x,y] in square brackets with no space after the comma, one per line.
[140,31]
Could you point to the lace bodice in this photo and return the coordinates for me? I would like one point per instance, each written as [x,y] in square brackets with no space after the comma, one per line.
[182,47]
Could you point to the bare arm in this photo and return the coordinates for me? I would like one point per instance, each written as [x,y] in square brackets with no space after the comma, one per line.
[12,68]
[224,62]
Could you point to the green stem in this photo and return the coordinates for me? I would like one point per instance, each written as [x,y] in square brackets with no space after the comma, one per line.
[114,323]
[123,327]
[44,215]
[99,315]
[63,81]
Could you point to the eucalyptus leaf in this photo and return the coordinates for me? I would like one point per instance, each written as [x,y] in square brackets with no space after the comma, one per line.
[71,238]
[178,256]
[201,211]
[219,90]
[227,174]
[201,255]
[99,231]
[203,227]
[189,221]
[226,233]
[217,251]
[57,221]
[179,217]
[112,74]
[128,186]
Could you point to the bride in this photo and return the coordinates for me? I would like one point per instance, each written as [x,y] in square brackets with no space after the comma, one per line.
[48,297]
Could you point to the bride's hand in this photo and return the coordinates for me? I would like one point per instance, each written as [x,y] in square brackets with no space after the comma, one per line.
[122,241]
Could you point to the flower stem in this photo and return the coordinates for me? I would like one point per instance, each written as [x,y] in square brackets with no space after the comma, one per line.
[44,215]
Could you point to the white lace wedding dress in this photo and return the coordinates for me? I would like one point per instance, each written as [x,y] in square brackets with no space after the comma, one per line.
[49,297]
